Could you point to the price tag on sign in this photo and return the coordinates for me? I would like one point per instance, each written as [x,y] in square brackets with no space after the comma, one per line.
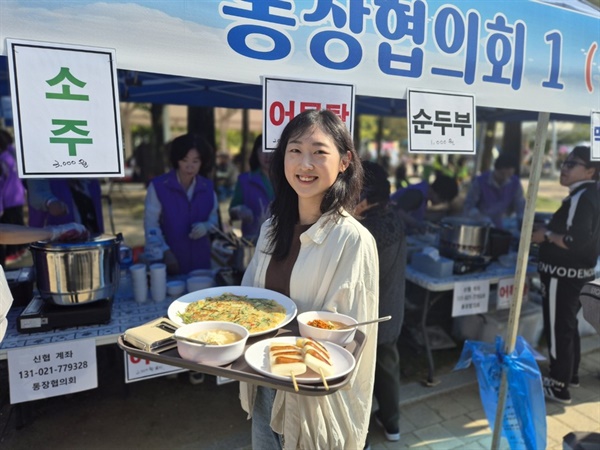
[137,369]
[470,297]
[506,290]
[50,370]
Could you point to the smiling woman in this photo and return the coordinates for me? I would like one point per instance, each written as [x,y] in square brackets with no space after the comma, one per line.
[315,252]
[312,164]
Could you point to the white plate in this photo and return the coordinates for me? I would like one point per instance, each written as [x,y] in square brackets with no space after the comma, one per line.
[179,305]
[257,357]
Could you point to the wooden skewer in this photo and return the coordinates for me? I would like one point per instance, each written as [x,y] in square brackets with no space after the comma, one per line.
[324,380]
[294,381]
[224,235]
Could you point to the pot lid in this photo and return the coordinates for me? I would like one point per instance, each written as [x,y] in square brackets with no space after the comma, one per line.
[96,240]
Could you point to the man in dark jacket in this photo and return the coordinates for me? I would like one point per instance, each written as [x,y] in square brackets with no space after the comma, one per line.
[388,230]
[569,249]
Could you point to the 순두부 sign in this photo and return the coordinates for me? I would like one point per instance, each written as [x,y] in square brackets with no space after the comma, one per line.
[65,110]
[441,122]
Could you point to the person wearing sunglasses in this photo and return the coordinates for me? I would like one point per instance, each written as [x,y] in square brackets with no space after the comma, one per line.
[569,250]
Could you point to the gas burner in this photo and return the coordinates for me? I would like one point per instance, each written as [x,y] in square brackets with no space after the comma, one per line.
[469,265]
[41,315]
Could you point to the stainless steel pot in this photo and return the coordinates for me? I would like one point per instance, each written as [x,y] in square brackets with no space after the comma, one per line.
[70,273]
[462,237]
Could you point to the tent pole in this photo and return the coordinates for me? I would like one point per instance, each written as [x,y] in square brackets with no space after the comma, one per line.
[522,256]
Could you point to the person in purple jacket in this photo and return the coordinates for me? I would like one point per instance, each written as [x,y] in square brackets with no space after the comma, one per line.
[253,193]
[58,201]
[418,203]
[12,191]
[496,194]
[181,206]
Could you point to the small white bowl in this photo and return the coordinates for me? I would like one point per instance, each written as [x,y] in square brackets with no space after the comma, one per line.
[199,283]
[175,288]
[340,337]
[215,355]
[201,273]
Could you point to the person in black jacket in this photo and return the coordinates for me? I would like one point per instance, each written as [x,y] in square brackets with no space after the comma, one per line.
[569,249]
[387,228]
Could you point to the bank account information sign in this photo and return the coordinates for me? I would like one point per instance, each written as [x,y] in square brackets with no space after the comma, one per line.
[66,115]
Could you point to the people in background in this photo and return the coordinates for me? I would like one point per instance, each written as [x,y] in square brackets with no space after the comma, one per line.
[12,192]
[225,176]
[423,201]
[401,177]
[59,200]
[253,193]
[181,206]
[568,254]
[314,251]
[388,230]
[11,234]
[496,194]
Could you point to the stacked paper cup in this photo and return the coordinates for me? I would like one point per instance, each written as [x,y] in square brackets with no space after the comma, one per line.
[158,281]
[139,278]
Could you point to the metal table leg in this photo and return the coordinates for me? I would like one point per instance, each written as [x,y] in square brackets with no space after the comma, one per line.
[429,302]
[431,368]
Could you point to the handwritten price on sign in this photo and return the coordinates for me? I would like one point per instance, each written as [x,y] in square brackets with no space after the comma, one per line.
[72,162]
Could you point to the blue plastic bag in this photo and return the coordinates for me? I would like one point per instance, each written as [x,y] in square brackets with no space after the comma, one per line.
[524,419]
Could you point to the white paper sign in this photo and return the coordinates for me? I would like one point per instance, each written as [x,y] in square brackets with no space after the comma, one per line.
[470,297]
[65,103]
[137,369]
[441,122]
[595,138]
[283,99]
[506,290]
[50,370]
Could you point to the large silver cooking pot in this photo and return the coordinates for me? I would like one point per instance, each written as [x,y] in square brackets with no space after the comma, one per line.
[70,273]
[461,237]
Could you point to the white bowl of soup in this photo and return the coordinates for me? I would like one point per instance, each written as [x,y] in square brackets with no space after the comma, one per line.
[226,342]
[325,326]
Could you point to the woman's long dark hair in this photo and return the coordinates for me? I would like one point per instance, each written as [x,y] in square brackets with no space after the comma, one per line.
[343,194]
[256,148]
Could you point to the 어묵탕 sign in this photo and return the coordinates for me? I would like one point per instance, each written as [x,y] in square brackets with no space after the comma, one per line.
[65,111]
[285,99]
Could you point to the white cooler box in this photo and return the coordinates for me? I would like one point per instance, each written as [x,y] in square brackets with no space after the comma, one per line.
[485,327]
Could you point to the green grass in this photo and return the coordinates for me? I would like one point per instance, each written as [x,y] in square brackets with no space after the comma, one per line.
[545,204]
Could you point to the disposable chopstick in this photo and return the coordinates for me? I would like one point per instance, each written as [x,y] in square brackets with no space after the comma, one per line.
[224,235]
[324,380]
[247,242]
[294,381]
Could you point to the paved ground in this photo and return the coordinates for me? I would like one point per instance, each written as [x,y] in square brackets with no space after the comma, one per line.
[451,416]
[171,413]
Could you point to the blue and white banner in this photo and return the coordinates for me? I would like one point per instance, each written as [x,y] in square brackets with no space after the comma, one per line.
[529,55]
